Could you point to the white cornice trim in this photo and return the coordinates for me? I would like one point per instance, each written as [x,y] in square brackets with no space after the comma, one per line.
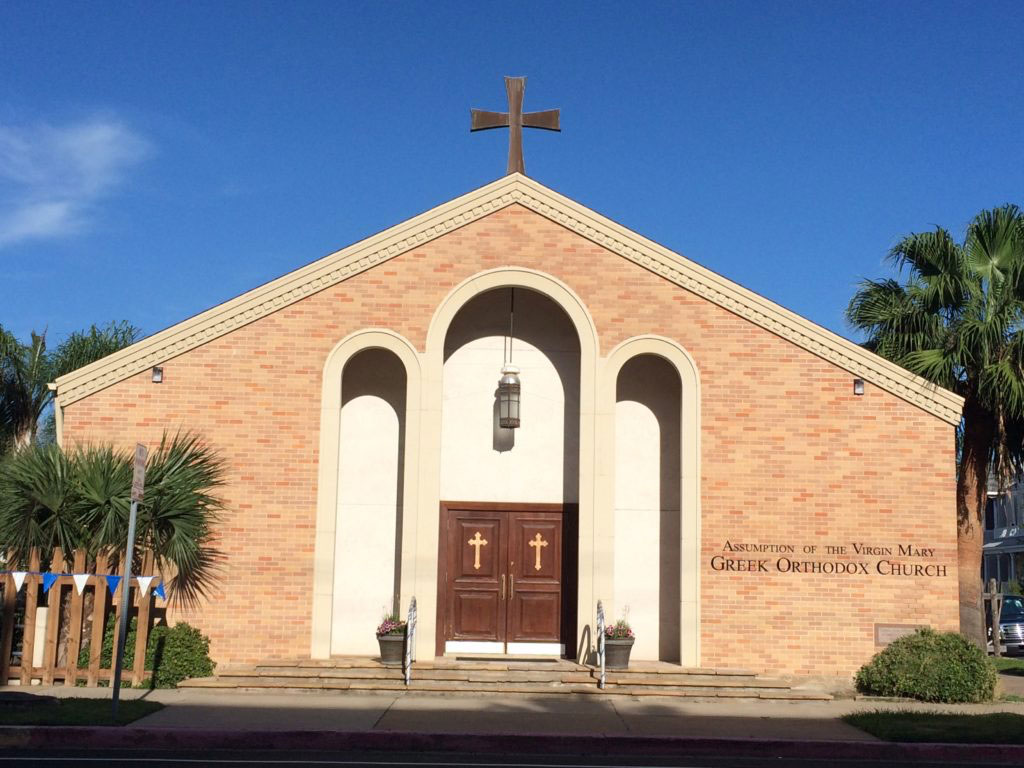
[509,190]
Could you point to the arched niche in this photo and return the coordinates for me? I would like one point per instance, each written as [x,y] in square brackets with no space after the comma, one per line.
[367,489]
[647,504]
[371,456]
[685,474]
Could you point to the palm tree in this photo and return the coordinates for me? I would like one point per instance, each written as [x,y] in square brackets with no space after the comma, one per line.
[37,503]
[958,321]
[50,498]
[8,350]
[24,394]
[177,515]
[81,498]
[26,371]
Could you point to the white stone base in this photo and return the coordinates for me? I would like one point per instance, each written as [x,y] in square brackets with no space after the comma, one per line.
[509,649]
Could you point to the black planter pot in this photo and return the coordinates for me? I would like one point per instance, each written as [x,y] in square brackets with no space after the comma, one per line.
[616,652]
[392,649]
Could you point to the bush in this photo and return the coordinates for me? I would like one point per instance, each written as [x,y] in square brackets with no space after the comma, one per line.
[177,653]
[930,666]
[172,653]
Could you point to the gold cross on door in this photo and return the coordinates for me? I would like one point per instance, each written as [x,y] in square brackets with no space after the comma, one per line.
[537,543]
[478,542]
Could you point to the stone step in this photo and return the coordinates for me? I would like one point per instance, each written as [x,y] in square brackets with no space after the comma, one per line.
[299,668]
[393,673]
[642,668]
[484,676]
[664,668]
[713,692]
[707,681]
[498,666]
[239,681]
[459,686]
[367,668]
[491,675]
[501,676]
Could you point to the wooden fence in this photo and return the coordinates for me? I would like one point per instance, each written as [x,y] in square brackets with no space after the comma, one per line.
[64,620]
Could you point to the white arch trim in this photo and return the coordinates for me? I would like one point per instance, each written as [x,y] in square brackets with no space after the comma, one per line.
[516,277]
[689,477]
[327,485]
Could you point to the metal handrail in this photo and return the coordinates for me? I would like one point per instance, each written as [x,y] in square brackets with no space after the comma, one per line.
[410,641]
[600,642]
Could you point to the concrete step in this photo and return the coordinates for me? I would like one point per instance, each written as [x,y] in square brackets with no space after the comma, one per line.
[499,677]
[714,692]
[692,681]
[380,675]
[500,688]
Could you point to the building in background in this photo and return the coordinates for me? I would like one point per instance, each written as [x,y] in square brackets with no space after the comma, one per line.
[1004,538]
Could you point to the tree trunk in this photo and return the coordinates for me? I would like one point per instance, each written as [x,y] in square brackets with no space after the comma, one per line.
[971,495]
[23,439]
[64,628]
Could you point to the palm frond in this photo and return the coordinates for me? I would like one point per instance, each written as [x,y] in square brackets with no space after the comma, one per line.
[26,371]
[894,319]
[937,263]
[37,500]
[25,393]
[103,482]
[992,245]
[939,365]
[179,513]
[84,347]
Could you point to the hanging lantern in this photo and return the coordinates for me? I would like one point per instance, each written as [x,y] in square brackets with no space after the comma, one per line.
[508,397]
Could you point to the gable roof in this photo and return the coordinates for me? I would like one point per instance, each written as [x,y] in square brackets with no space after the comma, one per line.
[509,190]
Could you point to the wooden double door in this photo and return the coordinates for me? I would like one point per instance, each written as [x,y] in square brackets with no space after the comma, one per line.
[502,577]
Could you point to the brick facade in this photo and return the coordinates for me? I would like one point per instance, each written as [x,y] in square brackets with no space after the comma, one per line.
[789,456]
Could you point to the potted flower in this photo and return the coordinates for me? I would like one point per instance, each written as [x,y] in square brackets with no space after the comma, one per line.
[618,642]
[391,638]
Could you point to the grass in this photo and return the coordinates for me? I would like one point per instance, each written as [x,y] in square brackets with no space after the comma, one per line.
[76,712]
[1009,665]
[936,727]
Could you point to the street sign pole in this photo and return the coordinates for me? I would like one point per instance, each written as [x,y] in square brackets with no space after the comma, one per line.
[138,484]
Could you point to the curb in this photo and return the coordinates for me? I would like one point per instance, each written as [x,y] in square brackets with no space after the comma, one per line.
[187,739]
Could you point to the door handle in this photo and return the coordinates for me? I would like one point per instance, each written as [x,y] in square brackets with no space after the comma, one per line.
[512,586]
[503,586]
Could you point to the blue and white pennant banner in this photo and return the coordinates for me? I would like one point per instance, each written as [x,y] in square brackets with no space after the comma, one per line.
[81,579]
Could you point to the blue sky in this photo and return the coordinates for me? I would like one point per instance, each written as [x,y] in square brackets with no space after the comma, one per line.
[157,159]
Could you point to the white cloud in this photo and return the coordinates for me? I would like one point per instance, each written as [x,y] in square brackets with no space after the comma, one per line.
[52,178]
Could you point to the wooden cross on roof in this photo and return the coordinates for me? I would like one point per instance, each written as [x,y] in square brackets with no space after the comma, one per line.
[515,119]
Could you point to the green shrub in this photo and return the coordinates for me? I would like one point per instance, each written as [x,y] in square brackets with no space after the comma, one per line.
[172,653]
[177,653]
[930,666]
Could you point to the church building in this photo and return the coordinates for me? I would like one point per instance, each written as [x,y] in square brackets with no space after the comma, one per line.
[510,408]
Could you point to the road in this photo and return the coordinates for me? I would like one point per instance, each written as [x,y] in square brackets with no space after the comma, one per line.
[180,759]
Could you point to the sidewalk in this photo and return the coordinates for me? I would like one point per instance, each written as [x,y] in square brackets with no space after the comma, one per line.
[582,715]
[572,724]
[1010,683]
[551,714]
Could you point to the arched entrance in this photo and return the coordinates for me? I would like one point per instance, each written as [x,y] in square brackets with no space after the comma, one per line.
[448,353]
[509,497]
